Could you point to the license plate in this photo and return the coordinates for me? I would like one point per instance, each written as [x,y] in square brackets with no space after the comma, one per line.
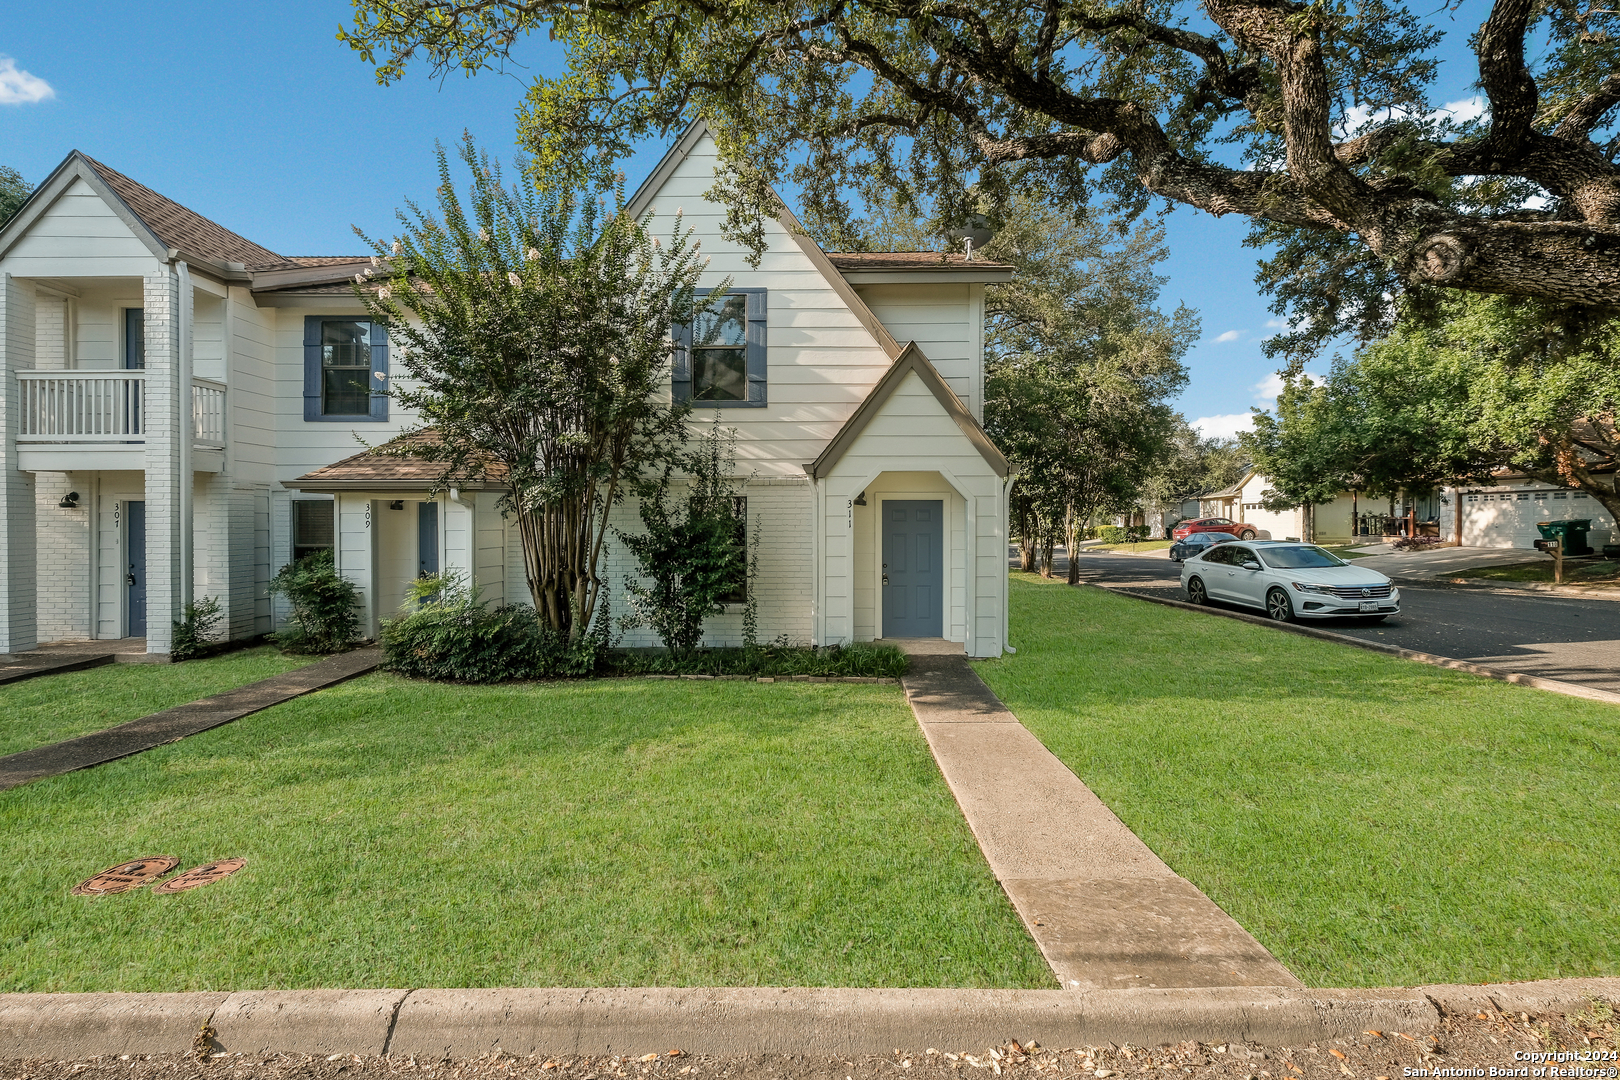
[1369,605]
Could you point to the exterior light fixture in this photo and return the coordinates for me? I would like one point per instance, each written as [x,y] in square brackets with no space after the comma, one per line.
[860,500]
[70,501]
[397,504]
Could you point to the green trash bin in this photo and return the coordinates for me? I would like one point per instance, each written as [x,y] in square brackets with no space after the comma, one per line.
[1571,535]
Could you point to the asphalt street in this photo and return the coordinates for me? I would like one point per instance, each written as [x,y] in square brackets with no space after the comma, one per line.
[1554,637]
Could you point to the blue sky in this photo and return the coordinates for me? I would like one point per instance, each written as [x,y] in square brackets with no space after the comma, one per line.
[256,116]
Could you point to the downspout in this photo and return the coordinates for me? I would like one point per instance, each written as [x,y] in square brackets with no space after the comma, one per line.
[817,525]
[1006,591]
[188,425]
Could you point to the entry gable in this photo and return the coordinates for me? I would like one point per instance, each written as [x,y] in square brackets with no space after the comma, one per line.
[910,362]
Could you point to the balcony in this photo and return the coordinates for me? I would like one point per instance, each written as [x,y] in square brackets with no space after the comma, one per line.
[81,420]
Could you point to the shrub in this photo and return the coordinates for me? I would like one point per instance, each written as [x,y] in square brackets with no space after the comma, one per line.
[453,636]
[325,606]
[1416,543]
[195,628]
[1117,534]
[778,659]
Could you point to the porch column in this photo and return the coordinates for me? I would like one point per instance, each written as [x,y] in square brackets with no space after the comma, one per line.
[163,414]
[18,571]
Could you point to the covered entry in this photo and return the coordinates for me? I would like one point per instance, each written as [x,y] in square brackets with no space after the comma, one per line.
[913,599]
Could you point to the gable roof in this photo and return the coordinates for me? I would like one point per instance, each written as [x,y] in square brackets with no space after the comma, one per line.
[910,361]
[694,133]
[182,228]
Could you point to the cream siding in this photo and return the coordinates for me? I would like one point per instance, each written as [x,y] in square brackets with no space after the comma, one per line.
[78,235]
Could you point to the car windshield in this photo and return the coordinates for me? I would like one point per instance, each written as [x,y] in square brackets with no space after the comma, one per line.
[1210,538]
[1301,557]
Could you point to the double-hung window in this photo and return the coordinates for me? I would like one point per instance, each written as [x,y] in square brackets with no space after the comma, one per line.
[345,369]
[313,526]
[720,354]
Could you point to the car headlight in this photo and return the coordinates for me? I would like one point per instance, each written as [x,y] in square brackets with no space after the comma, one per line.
[1394,594]
[1304,586]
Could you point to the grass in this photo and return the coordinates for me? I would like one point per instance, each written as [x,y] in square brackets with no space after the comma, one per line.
[50,708]
[1346,552]
[1371,820]
[773,660]
[1601,572]
[584,833]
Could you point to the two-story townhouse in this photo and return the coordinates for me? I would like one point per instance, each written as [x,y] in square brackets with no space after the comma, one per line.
[182,410]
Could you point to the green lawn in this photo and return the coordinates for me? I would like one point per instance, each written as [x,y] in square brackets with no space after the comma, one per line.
[614,832]
[1371,820]
[35,712]
[1599,572]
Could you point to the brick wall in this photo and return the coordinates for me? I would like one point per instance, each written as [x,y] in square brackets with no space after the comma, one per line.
[63,560]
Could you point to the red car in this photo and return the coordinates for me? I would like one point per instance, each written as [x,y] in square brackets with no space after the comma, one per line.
[1225,525]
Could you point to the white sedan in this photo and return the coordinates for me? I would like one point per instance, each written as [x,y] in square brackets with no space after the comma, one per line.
[1289,581]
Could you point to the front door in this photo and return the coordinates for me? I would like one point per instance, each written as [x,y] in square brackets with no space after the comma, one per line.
[135,578]
[913,570]
[427,538]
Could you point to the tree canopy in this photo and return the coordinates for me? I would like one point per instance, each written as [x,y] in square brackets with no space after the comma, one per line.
[1331,143]
[13,192]
[1491,384]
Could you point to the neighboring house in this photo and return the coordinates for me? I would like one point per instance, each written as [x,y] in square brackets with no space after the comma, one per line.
[1504,514]
[181,407]
[1244,501]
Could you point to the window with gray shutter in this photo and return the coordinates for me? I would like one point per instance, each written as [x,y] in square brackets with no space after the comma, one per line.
[345,370]
[720,356]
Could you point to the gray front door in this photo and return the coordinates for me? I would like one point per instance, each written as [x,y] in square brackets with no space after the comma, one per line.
[913,571]
[135,578]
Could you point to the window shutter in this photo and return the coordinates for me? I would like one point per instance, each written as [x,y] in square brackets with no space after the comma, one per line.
[379,366]
[756,346]
[680,382]
[312,367]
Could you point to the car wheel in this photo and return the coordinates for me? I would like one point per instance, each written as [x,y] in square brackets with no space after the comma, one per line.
[1279,607]
[1248,534]
[1196,593]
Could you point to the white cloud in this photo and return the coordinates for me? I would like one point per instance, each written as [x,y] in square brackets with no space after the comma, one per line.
[1230,335]
[1467,109]
[1267,389]
[1223,427]
[1276,324]
[19,87]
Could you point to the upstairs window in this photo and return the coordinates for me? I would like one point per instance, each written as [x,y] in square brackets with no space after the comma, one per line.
[345,370]
[720,354]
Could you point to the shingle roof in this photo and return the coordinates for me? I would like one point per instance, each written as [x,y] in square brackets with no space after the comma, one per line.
[387,470]
[183,229]
[908,260]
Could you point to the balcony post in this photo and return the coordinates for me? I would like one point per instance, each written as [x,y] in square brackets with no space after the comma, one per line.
[168,403]
[18,570]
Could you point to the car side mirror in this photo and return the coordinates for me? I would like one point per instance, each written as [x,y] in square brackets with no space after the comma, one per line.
[1251,565]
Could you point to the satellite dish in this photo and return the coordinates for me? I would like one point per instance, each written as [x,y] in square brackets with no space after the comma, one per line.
[977,230]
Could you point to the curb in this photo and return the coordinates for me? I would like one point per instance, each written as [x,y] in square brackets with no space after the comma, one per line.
[1533,588]
[1556,686]
[440,1024]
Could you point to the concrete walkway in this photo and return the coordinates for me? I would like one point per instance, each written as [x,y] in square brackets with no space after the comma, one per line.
[1107,913]
[66,656]
[1446,561]
[172,725]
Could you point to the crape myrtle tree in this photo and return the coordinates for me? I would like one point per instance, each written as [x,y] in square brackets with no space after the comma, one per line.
[1312,119]
[533,329]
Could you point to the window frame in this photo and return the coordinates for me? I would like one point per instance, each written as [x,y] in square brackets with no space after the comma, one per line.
[755,355]
[314,399]
[298,509]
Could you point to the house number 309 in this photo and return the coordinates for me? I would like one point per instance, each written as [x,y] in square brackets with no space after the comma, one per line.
[368,515]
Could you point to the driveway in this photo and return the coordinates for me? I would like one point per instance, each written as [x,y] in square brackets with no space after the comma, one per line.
[1445,562]
[1555,637]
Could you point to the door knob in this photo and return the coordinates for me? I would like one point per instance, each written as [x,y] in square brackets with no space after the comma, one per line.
[885,579]
[130,577]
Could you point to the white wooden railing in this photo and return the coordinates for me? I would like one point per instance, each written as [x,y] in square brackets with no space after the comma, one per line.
[107,407]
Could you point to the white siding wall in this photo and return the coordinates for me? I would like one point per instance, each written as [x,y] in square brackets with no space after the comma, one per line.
[79,236]
[821,360]
[115,489]
[941,320]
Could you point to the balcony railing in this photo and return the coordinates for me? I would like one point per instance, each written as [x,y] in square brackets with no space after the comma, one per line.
[107,407]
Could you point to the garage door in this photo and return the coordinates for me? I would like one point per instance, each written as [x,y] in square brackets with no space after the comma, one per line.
[1507,519]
